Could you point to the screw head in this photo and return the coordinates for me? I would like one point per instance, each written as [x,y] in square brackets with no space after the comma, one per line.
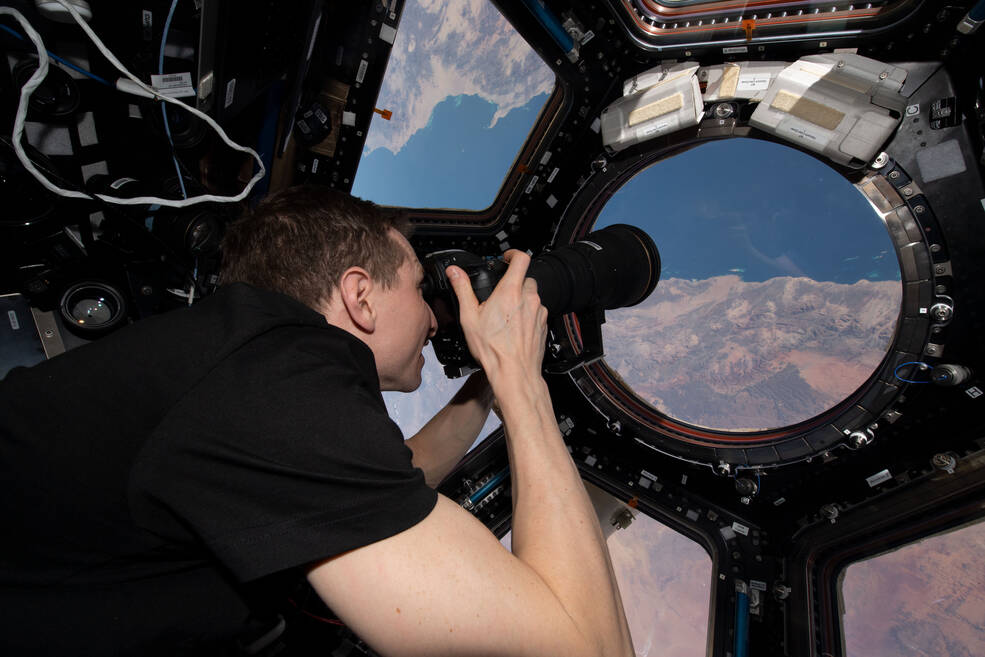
[941,312]
[723,110]
[859,439]
[894,174]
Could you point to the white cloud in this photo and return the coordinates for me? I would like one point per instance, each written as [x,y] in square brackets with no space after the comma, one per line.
[453,48]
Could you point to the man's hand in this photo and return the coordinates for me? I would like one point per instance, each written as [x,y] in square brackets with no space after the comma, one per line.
[507,332]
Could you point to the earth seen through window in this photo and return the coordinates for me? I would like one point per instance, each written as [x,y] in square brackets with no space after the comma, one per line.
[779,294]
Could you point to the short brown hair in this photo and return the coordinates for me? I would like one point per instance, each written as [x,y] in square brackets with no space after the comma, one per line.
[300,240]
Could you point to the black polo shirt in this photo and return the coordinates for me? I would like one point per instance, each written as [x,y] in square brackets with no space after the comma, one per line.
[148,477]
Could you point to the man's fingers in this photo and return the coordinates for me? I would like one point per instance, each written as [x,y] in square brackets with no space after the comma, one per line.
[518,261]
[463,289]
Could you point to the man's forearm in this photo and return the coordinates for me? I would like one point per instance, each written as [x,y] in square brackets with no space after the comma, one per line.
[555,529]
[443,441]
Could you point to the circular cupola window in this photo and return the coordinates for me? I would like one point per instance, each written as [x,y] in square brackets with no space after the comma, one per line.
[780,292]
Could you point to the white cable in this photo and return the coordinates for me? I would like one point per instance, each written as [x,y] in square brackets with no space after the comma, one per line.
[141,90]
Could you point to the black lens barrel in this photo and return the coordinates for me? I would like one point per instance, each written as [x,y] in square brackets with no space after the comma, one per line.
[615,267]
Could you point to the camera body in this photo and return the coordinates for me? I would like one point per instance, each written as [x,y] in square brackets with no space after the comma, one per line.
[449,342]
[615,267]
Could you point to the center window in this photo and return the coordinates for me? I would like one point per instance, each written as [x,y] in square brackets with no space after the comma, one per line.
[780,290]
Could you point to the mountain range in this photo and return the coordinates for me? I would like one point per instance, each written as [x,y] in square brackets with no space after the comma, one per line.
[734,355]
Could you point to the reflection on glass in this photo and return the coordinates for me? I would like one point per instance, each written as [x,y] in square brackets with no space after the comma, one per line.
[927,598]
[465,90]
[664,579]
[411,411]
[780,288]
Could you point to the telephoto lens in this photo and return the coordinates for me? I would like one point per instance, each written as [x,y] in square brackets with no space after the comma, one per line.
[615,267]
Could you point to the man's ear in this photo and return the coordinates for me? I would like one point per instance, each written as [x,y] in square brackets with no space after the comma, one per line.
[356,291]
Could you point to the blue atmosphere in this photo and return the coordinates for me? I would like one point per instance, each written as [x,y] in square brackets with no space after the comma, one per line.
[757,210]
[456,161]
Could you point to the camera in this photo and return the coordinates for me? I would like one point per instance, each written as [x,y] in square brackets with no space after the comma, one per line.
[615,267]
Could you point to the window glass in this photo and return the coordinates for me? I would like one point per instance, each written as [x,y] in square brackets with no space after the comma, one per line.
[464,89]
[926,598]
[411,411]
[664,579]
[779,294]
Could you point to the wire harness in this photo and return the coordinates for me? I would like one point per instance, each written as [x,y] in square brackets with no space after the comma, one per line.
[132,85]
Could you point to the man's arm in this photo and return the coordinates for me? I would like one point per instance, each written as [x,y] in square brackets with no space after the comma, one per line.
[443,441]
[446,586]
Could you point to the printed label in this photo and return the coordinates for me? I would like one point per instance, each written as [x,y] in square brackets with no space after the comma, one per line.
[176,85]
[739,528]
[12,316]
[651,477]
[878,478]
[147,19]
[753,82]
[803,131]
[531,184]
[652,129]
[757,585]
[314,165]
[551,177]
[361,71]
[388,34]
[230,93]
[974,392]
[734,50]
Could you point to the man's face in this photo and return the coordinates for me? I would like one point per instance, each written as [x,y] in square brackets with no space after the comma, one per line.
[404,324]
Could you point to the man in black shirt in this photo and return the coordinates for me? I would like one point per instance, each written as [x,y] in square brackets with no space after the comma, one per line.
[154,479]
